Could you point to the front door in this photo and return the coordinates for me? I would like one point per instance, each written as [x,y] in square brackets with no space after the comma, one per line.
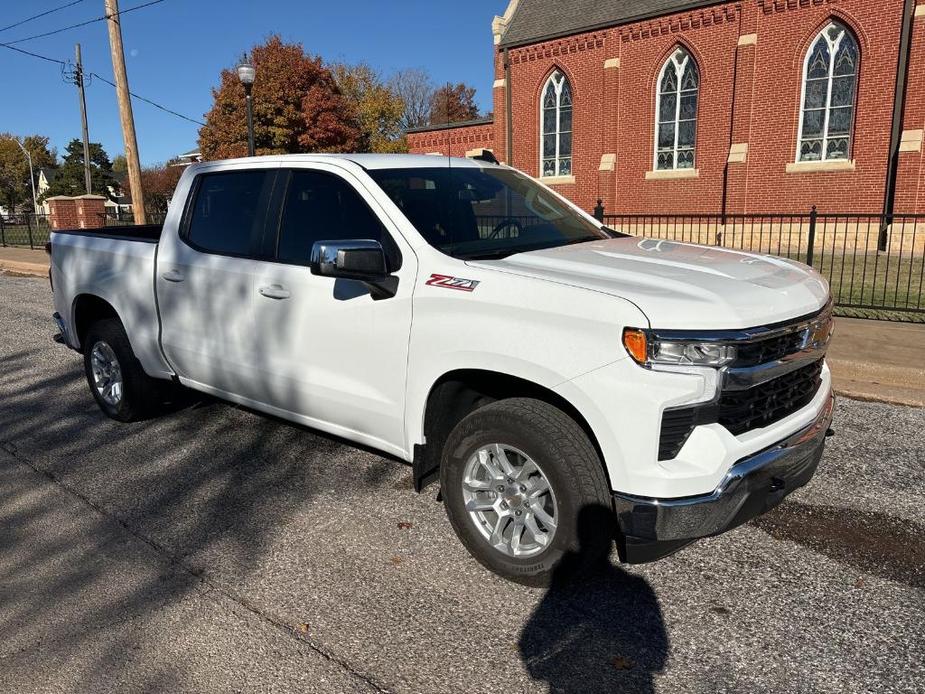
[332,354]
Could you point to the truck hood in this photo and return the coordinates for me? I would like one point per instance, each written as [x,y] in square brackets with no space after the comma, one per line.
[679,285]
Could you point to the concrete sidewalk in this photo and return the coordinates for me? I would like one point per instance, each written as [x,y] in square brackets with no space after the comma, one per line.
[24,261]
[879,361]
[870,360]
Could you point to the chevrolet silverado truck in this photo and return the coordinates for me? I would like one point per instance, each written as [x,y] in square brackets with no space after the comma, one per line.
[463,317]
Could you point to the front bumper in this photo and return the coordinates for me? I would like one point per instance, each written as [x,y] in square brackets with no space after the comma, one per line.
[653,528]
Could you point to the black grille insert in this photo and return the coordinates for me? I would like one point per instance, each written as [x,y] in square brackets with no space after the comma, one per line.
[677,426]
[762,405]
[770,349]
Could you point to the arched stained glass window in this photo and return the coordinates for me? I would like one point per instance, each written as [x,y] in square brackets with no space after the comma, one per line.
[830,77]
[676,105]
[556,120]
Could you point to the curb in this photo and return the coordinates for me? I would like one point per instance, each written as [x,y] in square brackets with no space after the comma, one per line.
[19,268]
[866,395]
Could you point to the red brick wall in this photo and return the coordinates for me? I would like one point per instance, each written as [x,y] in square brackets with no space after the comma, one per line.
[750,93]
[454,142]
[785,33]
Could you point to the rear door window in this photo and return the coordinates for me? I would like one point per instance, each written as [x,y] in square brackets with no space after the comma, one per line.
[229,211]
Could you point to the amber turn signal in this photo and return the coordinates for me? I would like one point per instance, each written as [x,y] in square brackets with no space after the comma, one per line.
[636,344]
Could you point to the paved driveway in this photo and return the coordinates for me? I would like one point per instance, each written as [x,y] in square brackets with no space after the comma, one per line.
[216,550]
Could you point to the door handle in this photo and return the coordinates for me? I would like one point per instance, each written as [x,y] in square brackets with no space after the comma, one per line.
[274,291]
[173,276]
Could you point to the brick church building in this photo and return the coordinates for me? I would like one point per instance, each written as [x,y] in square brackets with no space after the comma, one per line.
[701,106]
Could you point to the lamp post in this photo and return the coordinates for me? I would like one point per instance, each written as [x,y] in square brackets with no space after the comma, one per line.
[247,73]
[35,204]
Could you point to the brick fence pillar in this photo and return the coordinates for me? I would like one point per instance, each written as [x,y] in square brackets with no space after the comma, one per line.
[62,212]
[91,211]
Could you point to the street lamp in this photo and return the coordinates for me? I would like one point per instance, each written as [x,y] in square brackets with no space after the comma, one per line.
[247,73]
[35,204]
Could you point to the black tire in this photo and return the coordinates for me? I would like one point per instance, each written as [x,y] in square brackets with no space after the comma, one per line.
[572,467]
[142,395]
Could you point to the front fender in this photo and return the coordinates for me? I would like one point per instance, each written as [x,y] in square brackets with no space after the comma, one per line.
[534,330]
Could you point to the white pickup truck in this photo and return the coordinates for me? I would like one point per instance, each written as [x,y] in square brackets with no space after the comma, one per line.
[460,316]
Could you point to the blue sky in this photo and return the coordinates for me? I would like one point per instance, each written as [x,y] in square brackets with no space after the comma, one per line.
[175,51]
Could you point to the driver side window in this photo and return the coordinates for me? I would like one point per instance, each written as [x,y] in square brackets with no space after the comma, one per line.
[321,206]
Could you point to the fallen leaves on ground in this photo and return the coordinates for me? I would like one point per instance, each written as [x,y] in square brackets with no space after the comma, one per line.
[623,663]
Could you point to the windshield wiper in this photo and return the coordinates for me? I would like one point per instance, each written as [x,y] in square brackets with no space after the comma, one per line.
[493,255]
[501,253]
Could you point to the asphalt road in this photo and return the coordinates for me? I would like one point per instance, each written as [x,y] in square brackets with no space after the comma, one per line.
[214,549]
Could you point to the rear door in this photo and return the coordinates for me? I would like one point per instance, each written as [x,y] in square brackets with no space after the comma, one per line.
[331,354]
[205,280]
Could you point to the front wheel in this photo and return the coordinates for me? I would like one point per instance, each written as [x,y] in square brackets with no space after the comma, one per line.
[517,476]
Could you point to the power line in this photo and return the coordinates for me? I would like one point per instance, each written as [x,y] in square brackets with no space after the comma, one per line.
[82,24]
[152,103]
[63,64]
[40,14]
[34,55]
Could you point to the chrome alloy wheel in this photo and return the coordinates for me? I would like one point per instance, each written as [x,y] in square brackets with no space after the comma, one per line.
[510,500]
[107,374]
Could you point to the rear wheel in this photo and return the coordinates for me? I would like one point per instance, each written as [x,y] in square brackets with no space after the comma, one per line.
[516,476]
[119,385]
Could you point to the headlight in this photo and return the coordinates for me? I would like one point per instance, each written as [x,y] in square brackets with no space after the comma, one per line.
[647,350]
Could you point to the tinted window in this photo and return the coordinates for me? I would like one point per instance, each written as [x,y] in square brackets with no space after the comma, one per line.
[323,207]
[229,210]
[493,212]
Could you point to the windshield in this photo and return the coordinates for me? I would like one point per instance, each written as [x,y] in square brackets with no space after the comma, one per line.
[473,213]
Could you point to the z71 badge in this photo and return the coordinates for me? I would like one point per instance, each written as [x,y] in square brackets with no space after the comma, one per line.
[448,282]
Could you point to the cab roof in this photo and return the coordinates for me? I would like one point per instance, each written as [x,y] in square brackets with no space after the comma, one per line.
[367,161]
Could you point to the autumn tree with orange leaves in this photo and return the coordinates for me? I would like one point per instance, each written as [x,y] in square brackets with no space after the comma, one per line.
[298,107]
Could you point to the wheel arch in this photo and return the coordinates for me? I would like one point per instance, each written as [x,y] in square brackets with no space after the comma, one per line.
[459,392]
[87,309]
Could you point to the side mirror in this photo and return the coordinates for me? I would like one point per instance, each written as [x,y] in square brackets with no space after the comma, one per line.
[355,259]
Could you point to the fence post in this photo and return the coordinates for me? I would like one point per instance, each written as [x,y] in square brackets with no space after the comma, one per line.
[29,228]
[813,214]
[599,211]
[2,233]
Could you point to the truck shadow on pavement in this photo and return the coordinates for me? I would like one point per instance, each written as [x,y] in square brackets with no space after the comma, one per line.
[206,487]
[598,628]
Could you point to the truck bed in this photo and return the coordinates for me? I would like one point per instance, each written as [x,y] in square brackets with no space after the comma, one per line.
[116,265]
[150,233]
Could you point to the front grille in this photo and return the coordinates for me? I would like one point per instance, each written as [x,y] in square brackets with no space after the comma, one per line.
[768,350]
[762,405]
[742,410]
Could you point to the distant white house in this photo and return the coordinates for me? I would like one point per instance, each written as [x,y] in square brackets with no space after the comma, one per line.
[187,158]
[122,203]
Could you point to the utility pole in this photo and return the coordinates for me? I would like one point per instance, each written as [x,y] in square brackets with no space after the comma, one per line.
[79,80]
[125,110]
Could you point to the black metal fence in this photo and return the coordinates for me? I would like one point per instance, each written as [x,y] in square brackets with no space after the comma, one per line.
[25,229]
[32,230]
[874,263]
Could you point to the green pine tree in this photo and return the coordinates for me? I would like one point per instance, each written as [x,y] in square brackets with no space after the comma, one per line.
[70,176]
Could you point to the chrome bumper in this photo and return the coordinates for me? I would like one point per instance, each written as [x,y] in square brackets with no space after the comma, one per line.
[653,528]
